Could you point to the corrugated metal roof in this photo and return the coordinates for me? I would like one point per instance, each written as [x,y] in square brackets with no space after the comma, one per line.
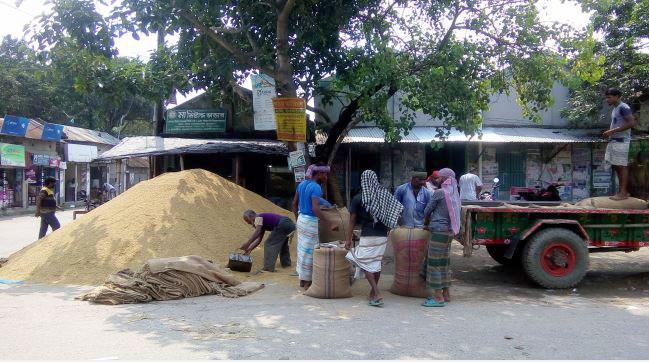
[138,162]
[79,134]
[151,146]
[489,135]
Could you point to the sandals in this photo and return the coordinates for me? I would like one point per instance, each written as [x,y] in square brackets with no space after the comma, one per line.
[375,303]
[431,302]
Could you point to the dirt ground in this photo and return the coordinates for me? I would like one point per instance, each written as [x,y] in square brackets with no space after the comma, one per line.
[496,313]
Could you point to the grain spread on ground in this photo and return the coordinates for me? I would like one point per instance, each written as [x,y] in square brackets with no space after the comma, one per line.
[191,212]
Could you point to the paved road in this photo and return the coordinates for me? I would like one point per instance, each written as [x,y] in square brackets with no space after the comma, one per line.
[16,232]
[496,314]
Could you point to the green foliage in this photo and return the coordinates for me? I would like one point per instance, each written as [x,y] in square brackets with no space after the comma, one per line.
[619,60]
[441,58]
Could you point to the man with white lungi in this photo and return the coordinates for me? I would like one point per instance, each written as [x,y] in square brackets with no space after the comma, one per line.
[619,135]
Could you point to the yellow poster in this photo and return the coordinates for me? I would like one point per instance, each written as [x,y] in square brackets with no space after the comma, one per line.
[290,117]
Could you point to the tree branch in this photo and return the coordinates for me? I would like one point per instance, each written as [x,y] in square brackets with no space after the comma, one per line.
[223,43]
[321,112]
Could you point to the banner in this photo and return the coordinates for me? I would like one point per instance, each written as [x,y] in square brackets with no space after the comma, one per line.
[12,155]
[41,160]
[15,126]
[290,117]
[52,132]
[263,92]
[80,153]
[183,121]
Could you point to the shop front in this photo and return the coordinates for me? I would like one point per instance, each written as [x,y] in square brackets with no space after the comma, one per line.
[43,166]
[78,176]
[12,162]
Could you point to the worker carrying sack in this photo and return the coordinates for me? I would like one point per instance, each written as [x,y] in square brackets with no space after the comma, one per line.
[338,217]
[331,272]
[410,250]
[605,202]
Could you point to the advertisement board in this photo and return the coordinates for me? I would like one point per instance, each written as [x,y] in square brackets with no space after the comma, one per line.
[80,153]
[12,155]
[15,126]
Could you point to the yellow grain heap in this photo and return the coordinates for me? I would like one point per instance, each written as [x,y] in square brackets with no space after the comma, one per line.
[183,213]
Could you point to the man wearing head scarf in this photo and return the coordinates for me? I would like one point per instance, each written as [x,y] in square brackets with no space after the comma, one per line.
[432,182]
[377,211]
[414,197]
[442,218]
[306,207]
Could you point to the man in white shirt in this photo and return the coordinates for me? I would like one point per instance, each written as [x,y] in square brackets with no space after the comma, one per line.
[470,185]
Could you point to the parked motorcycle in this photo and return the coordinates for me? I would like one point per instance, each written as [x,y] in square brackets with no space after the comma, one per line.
[551,193]
[493,194]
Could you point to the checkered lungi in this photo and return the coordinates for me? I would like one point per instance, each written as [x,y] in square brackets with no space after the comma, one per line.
[438,271]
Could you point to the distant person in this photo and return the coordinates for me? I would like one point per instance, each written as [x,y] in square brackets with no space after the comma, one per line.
[376,210]
[443,222]
[46,207]
[110,191]
[431,182]
[414,197]
[619,135]
[470,185]
[280,228]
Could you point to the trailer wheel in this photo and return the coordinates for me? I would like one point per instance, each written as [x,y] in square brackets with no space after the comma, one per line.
[556,258]
[497,253]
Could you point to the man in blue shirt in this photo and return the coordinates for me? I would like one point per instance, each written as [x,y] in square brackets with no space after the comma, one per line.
[306,207]
[619,135]
[414,197]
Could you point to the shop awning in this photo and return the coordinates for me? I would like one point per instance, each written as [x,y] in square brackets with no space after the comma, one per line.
[153,146]
[489,135]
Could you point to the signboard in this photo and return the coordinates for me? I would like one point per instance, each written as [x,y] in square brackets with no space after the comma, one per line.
[12,155]
[41,160]
[63,165]
[30,175]
[290,117]
[296,159]
[300,174]
[55,161]
[15,126]
[263,92]
[52,132]
[183,121]
[80,153]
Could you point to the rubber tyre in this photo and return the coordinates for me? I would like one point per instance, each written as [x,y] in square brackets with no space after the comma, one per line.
[497,253]
[532,258]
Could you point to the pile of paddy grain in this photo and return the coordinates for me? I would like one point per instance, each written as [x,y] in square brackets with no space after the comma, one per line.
[183,213]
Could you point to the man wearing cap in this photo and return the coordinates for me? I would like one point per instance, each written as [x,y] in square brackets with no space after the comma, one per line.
[432,183]
[414,197]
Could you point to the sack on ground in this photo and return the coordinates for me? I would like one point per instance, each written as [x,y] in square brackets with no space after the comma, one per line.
[331,272]
[605,202]
[410,249]
[336,216]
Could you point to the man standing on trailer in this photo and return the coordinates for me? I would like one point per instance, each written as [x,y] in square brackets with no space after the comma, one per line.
[619,135]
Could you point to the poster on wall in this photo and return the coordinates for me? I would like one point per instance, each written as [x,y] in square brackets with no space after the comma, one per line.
[296,159]
[300,174]
[290,117]
[263,92]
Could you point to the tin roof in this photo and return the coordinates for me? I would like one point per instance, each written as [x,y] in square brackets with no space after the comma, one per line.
[489,135]
[78,134]
[152,146]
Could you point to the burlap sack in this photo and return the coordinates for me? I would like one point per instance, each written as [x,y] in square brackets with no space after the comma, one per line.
[410,249]
[340,218]
[605,202]
[331,272]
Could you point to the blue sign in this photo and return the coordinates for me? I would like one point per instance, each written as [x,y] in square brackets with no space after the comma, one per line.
[52,132]
[15,126]
[41,160]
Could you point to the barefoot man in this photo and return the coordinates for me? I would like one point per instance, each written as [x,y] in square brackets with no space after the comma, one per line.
[619,135]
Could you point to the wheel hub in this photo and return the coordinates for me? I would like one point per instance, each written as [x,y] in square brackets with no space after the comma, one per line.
[558,259]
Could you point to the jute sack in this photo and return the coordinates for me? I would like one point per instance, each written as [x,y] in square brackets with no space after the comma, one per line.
[331,272]
[336,216]
[604,202]
[410,250]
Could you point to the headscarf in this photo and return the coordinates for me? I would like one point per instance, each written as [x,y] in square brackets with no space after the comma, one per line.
[432,176]
[313,168]
[378,201]
[452,197]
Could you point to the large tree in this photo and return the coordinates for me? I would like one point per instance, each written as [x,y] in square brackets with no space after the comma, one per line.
[444,58]
[614,53]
